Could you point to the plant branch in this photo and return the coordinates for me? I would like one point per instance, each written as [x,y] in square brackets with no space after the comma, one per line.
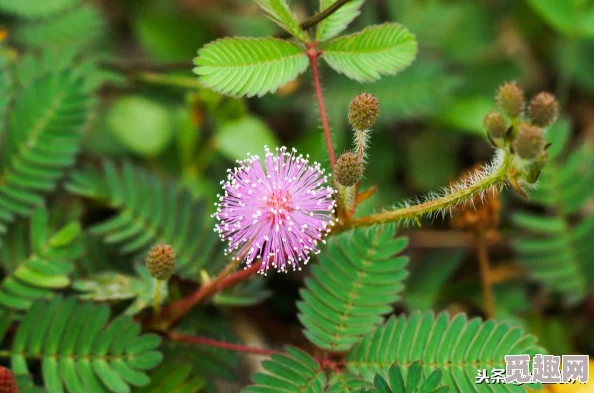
[220,344]
[496,179]
[317,18]
[312,53]
[175,311]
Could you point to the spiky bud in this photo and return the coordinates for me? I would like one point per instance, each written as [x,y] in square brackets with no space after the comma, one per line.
[543,109]
[7,382]
[495,125]
[363,111]
[529,142]
[510,98]
[348,169]
[160,261]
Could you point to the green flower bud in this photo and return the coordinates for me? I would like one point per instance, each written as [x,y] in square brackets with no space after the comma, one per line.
[348,169]
[510,98]
[495,125]
[543,109]
[363,111]
[160,261]
[530,142]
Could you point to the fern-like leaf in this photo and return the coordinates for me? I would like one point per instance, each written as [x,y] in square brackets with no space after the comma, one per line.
[249,66]
[35,270]
[49,107]
[294,372]
[280,13]
[35,8]
[375,51]
[353,286]
[174,377]
[457,346]
[339,20]
[346,383]
[150,210]
[554,248]
[77,27]
[80,352]
[415,382]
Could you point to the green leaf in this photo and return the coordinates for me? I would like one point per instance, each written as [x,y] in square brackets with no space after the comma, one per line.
[81,26]
[249,66]
[34,8]
[34,271]
[456,346]
[294,372]
[354,285]
[142,125]
[553,247]
[246,135]
[69,363]
[280,13]
[174,377]
[467,114]
[50,105]
[339,20]
[415,382]
[150,210]
[377,50]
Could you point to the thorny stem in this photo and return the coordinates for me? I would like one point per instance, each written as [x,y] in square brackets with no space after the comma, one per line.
[175,311]
[496,178]
[313,54]
[487,286]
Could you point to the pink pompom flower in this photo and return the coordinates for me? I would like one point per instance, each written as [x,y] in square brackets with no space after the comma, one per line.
[277,211]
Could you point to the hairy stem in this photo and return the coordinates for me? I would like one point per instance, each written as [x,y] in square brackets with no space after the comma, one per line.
[496,178]
[487,286]
[312,53]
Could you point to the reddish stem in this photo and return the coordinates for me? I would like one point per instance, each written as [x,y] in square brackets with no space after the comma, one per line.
[175,336]
[313,54]
[220,344]
[175,311]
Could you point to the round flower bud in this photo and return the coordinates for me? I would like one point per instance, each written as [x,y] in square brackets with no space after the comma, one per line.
[494,124]
[348,169]
[160,261]
[529,142]
[7,381]
[543,109]
[510,98]
[363,111]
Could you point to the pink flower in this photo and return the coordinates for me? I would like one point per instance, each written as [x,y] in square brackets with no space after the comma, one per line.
[278,213]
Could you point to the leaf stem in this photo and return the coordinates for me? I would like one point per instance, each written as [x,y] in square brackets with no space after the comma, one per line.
[175,336]
[313,54]
[497,177]
[157,296]
[185,82]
